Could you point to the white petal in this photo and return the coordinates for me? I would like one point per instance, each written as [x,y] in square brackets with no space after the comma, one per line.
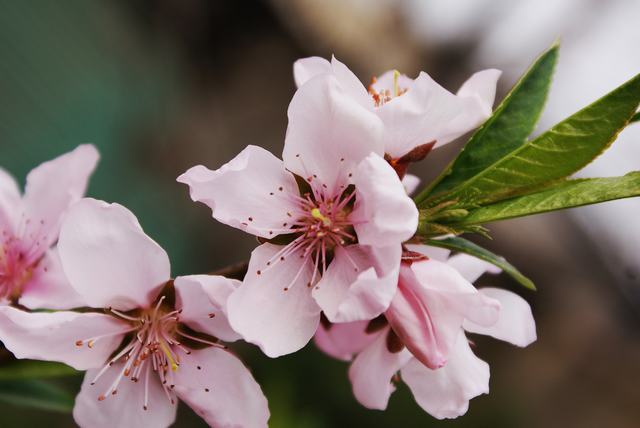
[471,268]
[410,183]
[219,388]
[387,215]
[10,204]
[49,287]
[51,188]
[203,300]
[428,311]
[329,133]
[108,258]
[445,392]
[428,112]
[305,69]
[343,340]
[351,84]
[346,294]
[515,323]
[482,86]
[53,336]
[125,409]
[263,313]
[372,370]
[253,192]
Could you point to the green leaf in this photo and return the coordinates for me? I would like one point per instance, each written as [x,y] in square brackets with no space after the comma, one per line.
[464,246]
[507,128]
[25,369]
[36,394]
[635,118]
[571,193]
[554,155]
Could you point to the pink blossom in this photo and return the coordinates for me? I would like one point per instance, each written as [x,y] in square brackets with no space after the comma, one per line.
[424,339]
[414,111]
[332,216]
[150,341]
[30,271]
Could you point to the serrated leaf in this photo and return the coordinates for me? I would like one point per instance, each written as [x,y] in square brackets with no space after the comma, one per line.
[571,193]
[559,152]
[24,369]
[36,394]
[507,128]
[462,245]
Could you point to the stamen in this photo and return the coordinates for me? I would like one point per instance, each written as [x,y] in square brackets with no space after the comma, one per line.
[167,352]
[396,90]
[315,213]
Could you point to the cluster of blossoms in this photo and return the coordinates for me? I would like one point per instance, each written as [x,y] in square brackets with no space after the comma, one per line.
[335,263]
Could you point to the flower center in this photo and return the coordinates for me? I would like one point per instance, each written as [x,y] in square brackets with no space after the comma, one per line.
[385,95]
[322,222]
[15,271]
[155,338]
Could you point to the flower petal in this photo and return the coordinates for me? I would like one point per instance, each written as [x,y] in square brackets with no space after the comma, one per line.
[329,133]
[428,112]
[54,336]
[10,203]
[305,69]
[343,340]
[445,392]
[108,258]
[440,278]
[51,188]
[410,183]
[515,324]
[482,86]
[203,300]
[432,302]
[126,408]
[218,387]
[49,287]
[359,283]
[471,268]
[253,192]
[387,215]
[372,370]
[278,321]
[351,84]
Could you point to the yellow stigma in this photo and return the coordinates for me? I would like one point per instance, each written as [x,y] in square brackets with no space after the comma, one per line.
[396,90]
[315,213]
[167,352]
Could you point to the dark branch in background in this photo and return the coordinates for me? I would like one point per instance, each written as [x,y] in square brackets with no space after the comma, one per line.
[234,271]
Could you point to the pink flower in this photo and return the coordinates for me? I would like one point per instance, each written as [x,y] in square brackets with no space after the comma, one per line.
[415,112]
[30,271]
[424,338]
[332,215]
[152,340]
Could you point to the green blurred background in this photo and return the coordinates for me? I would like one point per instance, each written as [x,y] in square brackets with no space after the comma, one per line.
[159,86]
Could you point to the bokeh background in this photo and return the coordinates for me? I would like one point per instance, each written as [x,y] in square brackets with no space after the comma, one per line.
[159,86]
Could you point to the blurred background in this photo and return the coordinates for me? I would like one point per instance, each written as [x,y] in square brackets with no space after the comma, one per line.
[159,86]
